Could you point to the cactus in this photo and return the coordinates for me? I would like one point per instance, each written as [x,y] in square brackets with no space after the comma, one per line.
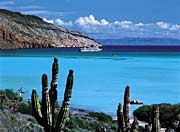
[36,107]
[135,125]
[126,106]
[120,118]
[45,114]
[53,91]
[46,107]
[155,119]
[124,117]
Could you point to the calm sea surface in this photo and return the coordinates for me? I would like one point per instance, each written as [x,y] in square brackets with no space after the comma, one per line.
[99,78]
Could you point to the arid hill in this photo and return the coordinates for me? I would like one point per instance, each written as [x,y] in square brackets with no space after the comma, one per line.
[27,31]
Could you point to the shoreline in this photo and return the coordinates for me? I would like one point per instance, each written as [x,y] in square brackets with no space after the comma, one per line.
[110,48]
[113,51]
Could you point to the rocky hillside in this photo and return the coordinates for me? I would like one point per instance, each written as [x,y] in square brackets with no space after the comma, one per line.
[17,122]
[26,31]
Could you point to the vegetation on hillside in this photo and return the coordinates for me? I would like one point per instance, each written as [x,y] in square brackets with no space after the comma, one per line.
[92,121]
[22,119]
[168,113]
[10,94]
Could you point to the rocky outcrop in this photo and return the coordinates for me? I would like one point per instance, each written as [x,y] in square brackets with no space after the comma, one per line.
[26,31]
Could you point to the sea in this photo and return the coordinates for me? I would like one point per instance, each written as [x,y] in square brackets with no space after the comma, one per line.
[100,78]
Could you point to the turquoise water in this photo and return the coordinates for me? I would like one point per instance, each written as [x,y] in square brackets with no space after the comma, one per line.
[99,79]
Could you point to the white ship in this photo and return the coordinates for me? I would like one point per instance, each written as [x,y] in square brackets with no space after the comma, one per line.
[91,49]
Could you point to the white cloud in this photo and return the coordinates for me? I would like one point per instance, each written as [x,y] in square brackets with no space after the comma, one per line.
[139,24]
[123,24]
[60,22]
[87,20]
[48,21]
[90,20]
[175,27]
[163,25]
[118,29]
[104,22]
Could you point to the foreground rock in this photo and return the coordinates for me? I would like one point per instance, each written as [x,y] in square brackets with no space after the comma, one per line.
[26,31]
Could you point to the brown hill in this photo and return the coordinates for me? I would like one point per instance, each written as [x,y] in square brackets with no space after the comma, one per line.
[27,31]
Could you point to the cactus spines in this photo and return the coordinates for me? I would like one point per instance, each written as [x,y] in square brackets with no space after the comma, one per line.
[155,119]
[64,111]
[120,118]
[135,125]
[45,114]
[126,106]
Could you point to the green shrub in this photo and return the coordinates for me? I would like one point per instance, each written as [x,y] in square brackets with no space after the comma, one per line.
[75,123]
[101,117]
[11,94]
[143,113]
[168,113]
[25,108]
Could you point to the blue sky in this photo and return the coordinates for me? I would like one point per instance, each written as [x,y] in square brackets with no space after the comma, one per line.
[107,18]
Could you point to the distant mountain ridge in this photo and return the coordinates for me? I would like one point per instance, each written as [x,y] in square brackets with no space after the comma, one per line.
[141,41]
[27,31]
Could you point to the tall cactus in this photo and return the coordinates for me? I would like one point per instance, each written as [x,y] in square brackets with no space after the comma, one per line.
[45,114]
[124,117]
[155,119]
[120,119]
[126,107]
[46,107]
[53,91]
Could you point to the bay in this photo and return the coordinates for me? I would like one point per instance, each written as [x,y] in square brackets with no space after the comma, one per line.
[99,78]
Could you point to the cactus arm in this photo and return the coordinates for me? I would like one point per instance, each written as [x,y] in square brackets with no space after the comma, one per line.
[46,107]
[36,107]
[64,111]
[53,91]
[126,106]
[54,82]
[120,118]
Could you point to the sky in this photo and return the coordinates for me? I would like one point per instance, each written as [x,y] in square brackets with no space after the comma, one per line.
[106,18]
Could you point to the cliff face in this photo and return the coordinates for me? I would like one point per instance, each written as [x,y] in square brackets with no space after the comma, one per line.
[26,31]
